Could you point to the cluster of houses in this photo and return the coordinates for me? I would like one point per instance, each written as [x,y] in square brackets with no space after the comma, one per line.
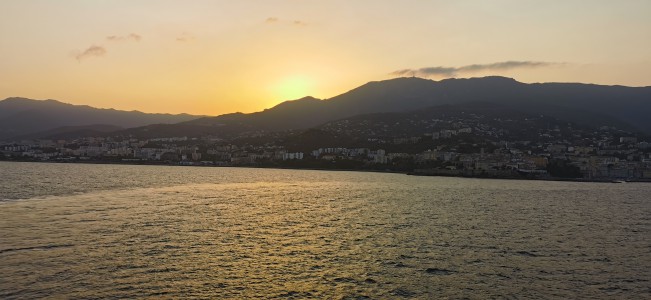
[622,157]
[457,144]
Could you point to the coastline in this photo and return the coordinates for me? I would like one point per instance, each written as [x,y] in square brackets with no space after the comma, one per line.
[414,172]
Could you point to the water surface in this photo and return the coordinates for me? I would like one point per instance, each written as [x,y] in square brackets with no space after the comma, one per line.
[113,231]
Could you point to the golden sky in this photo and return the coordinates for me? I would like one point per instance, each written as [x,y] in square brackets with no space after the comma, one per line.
[213,57]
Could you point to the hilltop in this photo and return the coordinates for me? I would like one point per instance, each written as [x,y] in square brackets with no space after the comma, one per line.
[28,117]
[587,104]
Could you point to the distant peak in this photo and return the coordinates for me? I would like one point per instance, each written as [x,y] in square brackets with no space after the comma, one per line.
[411,78]
[500,78]
[399,81]
[22,99]
[304,100]
[307,98]
[12,99]
[404,79]
[237,113]
[493,78]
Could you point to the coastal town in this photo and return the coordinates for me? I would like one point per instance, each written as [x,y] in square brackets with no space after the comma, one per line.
[453,145]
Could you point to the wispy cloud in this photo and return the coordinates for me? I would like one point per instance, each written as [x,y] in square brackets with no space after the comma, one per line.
[430,71]
[299,23]
[275,20]
[185,37]
[92,51]
[98,51]
[122,38]
[475,68]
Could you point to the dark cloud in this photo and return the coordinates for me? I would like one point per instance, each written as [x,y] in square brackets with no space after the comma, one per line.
[91,52]
[271,20]
[451,71]
[299,23]
[121,38]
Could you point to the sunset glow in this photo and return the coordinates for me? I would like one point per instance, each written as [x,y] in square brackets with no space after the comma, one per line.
[214,57]
[292,87]
[325,149]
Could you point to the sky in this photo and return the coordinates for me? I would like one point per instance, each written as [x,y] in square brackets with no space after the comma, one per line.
[211,57]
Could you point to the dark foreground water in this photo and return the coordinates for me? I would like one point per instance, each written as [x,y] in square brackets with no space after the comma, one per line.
[101,231]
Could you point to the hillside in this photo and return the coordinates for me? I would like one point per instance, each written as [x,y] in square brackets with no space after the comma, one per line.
[21,116]
[491,121]
[585,104]
[593,105]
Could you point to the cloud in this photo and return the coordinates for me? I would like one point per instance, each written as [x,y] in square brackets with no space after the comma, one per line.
[275,20]
[505,65]
[121,38]
[452,71]
[92,51]
[299,23]
[185,37]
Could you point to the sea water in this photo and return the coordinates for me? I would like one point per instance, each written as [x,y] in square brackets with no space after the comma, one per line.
[119,231]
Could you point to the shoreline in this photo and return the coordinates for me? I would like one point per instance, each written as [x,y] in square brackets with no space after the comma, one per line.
[415,172]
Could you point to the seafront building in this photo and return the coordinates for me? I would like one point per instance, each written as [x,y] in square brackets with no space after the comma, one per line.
[614,157]
[468,145]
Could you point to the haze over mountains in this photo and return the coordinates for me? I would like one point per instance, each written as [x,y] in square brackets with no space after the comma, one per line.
[36,118]
[594,105]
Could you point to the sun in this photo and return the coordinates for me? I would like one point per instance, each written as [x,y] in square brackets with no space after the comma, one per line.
[292,87]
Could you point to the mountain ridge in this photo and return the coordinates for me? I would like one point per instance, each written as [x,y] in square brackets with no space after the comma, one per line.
[22,116]
[589,104]
[584,103]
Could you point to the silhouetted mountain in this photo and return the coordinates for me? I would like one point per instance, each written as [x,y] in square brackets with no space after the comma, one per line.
[595,105]
[20,116]
[286,115]
[583,103]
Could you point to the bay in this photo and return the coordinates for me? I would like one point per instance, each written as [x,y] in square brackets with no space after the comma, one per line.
[119,231]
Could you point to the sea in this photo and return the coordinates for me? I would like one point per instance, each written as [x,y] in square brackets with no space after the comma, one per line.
[92,231]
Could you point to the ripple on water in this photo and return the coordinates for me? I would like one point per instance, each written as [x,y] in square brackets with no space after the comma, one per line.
[163,232]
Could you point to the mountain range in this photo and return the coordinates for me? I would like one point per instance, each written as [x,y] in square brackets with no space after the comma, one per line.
[595,105]
[27,118]
[588,104]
